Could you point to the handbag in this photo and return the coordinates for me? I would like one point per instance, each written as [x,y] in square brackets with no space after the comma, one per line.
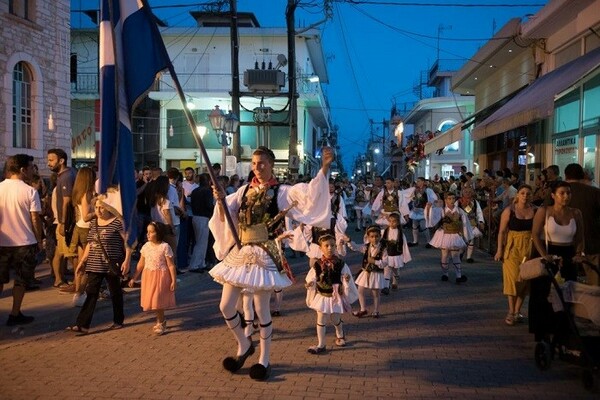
[535,267]
[114,267]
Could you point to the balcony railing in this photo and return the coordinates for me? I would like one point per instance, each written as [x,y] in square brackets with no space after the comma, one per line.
[86,84]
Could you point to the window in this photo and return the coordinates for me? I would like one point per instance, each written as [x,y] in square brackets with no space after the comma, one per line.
[21,106]
[566,112]
[20,8]
[591,99]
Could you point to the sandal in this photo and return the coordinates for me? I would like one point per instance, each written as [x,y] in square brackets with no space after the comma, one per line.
[510,319]
[360,314]
[77,329]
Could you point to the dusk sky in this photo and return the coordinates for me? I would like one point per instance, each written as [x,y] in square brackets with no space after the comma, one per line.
[375,49]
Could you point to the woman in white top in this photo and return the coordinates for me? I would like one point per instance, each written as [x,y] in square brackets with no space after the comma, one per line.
[562,226]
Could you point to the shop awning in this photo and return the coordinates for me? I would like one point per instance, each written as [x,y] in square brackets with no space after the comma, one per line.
[444,139]
[536,101]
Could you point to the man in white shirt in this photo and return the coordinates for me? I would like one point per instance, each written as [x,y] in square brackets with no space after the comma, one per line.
[20,231]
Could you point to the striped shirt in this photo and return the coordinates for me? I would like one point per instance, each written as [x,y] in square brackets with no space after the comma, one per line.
[111,238]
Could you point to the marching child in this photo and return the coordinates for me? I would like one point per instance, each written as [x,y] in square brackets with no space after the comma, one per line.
[452,235]
[397,252]
[371,276]
[330,291]
[159,277]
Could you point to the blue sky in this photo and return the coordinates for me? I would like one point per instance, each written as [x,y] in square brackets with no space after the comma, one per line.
[375,52]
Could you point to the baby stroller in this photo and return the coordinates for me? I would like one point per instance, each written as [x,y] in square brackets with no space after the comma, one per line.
[565,319]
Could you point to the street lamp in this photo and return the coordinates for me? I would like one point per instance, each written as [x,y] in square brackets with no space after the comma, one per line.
[224,126]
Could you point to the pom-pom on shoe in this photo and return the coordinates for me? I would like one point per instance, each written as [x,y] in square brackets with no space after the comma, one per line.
[233,364]
[259,372]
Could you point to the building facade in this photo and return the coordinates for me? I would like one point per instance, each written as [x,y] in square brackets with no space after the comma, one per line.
[202,58]
[34,64]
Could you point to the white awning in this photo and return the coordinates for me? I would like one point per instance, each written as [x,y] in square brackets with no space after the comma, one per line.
[452,135]
[536,101]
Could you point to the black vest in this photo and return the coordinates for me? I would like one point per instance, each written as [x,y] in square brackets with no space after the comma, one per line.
[394,247]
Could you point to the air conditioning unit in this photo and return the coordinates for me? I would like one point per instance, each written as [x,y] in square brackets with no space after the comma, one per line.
[246,151]
[264,80]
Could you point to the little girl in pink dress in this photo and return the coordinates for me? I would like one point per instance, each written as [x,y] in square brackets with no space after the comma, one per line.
[159,275]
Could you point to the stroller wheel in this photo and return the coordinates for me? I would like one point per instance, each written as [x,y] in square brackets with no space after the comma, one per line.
[590,382]
[543,355]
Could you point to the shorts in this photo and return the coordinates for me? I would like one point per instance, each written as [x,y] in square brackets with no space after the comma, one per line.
[22,259]
[61,246]
[79,239]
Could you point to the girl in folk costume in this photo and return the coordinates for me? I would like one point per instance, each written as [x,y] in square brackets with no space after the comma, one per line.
[256,269]
[472,208]
[397,251]
[371,276]
[159,277]
[390,200]
[330,291]
[361,199]
[452,235]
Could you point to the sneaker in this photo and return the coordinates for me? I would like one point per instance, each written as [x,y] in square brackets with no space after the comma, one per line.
[19,319]
[461,279]
[79,299]
[444,278]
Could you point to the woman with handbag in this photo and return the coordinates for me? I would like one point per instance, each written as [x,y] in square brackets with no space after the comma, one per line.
[557,232]
[105,257]
[514,245]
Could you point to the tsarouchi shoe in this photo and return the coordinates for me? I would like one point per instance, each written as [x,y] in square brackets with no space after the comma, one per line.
[233,364]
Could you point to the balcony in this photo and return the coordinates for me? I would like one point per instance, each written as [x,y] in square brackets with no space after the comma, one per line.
[86,84]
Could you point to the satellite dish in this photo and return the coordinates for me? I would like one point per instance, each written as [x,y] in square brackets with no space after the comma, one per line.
[281,61]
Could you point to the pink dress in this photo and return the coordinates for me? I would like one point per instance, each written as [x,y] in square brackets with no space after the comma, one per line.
[156,278]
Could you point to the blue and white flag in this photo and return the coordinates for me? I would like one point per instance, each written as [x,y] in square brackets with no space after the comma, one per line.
[132,54]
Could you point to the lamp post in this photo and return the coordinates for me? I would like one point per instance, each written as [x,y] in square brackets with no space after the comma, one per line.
[224,126]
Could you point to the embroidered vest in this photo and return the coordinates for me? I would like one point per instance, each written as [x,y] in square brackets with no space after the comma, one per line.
[393,247]
[471,211]
[360,196]
[420,199]
[372,267]
[390,201]
[452,223]
[327,277]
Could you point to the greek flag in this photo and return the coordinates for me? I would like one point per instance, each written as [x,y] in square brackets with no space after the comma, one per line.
[132,54]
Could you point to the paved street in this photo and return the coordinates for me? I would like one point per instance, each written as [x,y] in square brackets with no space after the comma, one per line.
[435,340]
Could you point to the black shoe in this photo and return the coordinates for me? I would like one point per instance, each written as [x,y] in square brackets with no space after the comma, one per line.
[470,260]
[276,313]
[444,278]
[413,244]
[259,372]
[233,364]
[19,319]
[428,246]
[385,291]
[462,279]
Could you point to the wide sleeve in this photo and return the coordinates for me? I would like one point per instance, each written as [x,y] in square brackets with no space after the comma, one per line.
[224,237]
[480,218]
[467,229]
[350,291]
[377,203]
[313,206]
[433,215]
[404,198]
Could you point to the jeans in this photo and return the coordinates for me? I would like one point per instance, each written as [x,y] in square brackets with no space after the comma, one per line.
[201,232]
[84,319]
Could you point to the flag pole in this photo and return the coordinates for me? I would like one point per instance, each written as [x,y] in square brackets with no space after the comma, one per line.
[192,124]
